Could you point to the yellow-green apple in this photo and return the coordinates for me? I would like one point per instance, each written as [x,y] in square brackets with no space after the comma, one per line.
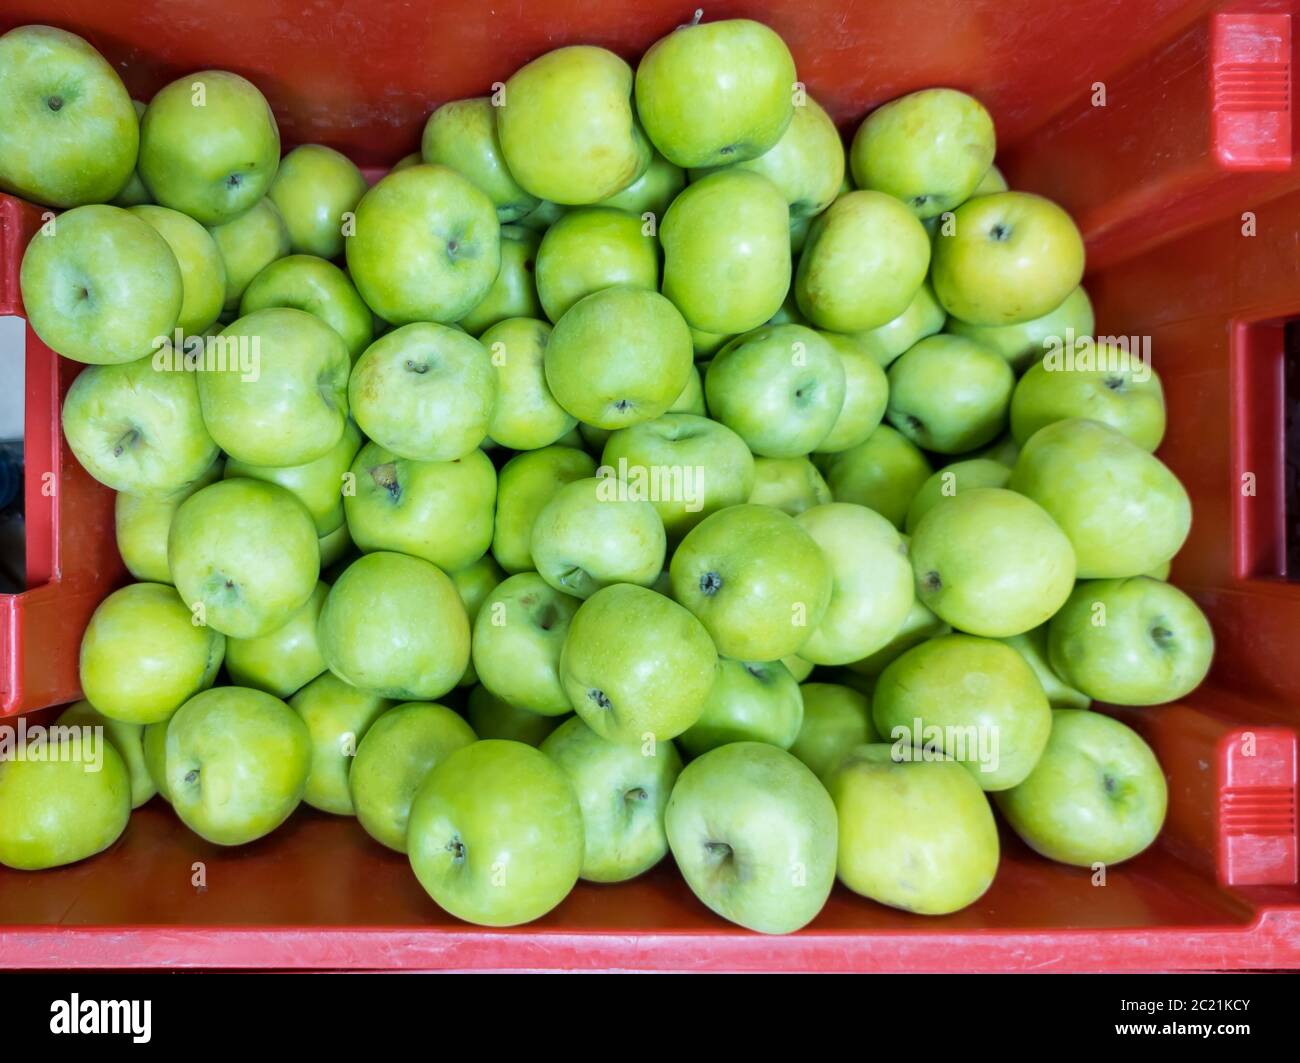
[992,181]
[691,399]
[991,562]
[514,291]
[1121,507]
[716,93]
[138,429]
[618,357]
[337,716]
[871,582]
[701,466]
[799,668]
[313,189]
[883,473]
[866,395]
[864,261]
[462,134]
[495,833]
[916,834]
[518,635]
[780,388]
[474,583]
[134,192]
[707,344]
[101,286]
[438,510]
[750,701]
[394,625]
[490,717]
[592,534]
[920,624]
[1136,641]
[622,642]
[1009,257]
[240,591]
[393,759]
[284,660]
[1033,647]
[789,484]
[525,415]
[143,656]
[948,481]
[70,134]
[426,247]
[758,582]
[154,743]
[142,522]
[1004,450]
[592,248]
[424,391]
[334,546]
[543,216]
[929,148]
[754,834]
[248,244]
[526,483]
[209,146]
[236,763]
[726,242]
[407,161]
[652,192]
[203,271]
[126,738]
[305,282]
[923,317]
[1025,343]
[950,395]
[1097,795]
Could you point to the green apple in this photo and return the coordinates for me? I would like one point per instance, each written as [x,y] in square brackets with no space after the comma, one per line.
[755,578]
[424,391]
[209,146]
[799,668]
[236,763]
[462,134]
[622,642]
[142,523]
[973,700]
[871,582]
[866,395]
[58,810]
[707,344]
[543,216]
[622,794]
[716,93]
[1011,257]
[948,481]
[919,624]
[923,317]
[239,591]
[1023,344]
[293,406]
[915,834]
[126,738]
[1122,509]
[688,466]
[750,701]
[864,261]
[143,656]
[652,192]
[337,716]
[691,399]
[883,473]
[248,244]
[568,131]
[474,583]
[589,535]
[1097,796]
[317,484]
[754,834]
[305,282]
[618,357]
[154,742]
[950,395]
[1160,572]
[203,271]
[514,292]
[393,759]
[836,719]
[286,659]
[1136,641]
[525,415]
[407,161]
[438,510]
[99,285]
[138,429]
[590,249]
[495,833]
[726,242]
[518,635]
[314,188]
[70,134]
[134,192]
[780,388]
[334,546]
[394,625]
[526,483]
[991,562]
[991,182]
[1115,389]
[490,717]
[929,148]
[427,246]
[1032,646]
[789,484]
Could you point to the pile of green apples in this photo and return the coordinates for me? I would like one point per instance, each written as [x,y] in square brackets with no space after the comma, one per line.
[631,471]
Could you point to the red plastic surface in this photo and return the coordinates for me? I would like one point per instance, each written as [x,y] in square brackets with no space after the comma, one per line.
[1192,150]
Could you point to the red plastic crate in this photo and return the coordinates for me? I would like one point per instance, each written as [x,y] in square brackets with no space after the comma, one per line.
[1193,145]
